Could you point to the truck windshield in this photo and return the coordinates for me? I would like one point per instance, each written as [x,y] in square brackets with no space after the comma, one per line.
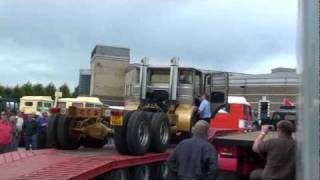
[185,77]
[160,76]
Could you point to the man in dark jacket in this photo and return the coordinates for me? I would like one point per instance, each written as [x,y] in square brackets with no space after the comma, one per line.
[30,128]
[194,158]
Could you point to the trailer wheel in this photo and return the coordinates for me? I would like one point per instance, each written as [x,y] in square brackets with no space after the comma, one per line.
[52,134]
[120,135]
[66,138]
[90,142]
[119,174]
[160,171]
[138,133]
[142,172]
[160,132]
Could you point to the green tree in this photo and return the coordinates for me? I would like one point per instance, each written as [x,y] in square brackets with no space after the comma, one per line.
[7,92]
[65,90]
[50,89]
[38,90]
[1,90]
[17,92]
[75,92]
[27,89]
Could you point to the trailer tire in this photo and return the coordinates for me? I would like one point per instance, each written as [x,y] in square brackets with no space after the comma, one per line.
[118,174]
[65,138]
[160,132]
[90,142]
[52,131]
[138,133]
[120,135]
[142,172]
[160,171]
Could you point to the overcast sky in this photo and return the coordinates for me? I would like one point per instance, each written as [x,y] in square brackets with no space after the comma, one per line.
[45,40]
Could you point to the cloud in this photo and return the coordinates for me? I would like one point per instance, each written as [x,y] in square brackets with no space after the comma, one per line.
[51,40]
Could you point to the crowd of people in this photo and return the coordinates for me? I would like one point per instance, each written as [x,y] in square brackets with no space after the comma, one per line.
[22,130]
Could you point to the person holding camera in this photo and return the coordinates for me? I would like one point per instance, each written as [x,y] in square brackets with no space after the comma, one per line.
[279,153]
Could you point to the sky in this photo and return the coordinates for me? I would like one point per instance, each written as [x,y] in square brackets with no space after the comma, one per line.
[46,41]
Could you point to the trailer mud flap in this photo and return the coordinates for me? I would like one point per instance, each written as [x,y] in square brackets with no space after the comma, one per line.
[227,164]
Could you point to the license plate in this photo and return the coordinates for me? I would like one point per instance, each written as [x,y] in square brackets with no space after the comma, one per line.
[116,121]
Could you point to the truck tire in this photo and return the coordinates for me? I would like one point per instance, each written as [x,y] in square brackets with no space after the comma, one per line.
[120,135]
[52,131]
[138,133]
[65,138]
[160,171]
[118,174]
[90,142]
[142,172]
[160,132]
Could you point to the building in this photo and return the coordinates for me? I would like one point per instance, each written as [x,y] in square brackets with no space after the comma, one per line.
[279,84]
[108,69]
[84,82]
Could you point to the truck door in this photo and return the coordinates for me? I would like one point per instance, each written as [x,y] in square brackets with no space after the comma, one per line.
[217,86]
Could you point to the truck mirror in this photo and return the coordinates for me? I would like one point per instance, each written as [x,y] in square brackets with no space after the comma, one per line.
[217,97]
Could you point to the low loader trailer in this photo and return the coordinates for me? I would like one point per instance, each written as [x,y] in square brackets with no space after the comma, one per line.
[83,163]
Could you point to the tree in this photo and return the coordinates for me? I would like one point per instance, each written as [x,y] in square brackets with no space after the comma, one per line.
[65,90]
[50,89]
[17,92]
[75,92]
[38,90]
[7,92]
[1,90]
[27,89]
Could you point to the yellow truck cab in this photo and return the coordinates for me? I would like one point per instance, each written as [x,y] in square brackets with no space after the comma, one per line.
[35,104]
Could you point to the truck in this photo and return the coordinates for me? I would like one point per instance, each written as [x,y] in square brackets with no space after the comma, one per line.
[11,104]
[35,104]
[235,156]
[160,107]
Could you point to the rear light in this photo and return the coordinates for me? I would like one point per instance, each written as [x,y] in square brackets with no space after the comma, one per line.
[116,113]
[227,152]
[54,110]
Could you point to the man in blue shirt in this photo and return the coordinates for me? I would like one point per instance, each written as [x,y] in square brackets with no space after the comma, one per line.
[204,109]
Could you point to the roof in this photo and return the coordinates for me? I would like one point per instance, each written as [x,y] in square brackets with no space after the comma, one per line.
[111,51]
[37,98]
[82,99]
[238,100]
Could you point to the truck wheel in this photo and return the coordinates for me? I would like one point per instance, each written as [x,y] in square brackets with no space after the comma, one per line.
[160,132]
[52,127]
[120,135]
[138,133]
[66,138]
[160,171]
[142,172]
[90,142]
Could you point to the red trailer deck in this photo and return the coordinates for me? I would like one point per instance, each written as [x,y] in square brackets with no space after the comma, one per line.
[76,164]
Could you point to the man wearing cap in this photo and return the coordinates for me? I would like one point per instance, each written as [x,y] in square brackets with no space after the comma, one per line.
[194,158]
